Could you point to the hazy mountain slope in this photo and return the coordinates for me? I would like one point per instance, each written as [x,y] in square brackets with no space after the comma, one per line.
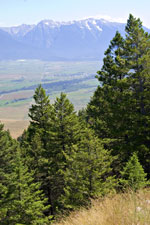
[18,31]
[85,39]
[12,49]
[9,48]
[49,40]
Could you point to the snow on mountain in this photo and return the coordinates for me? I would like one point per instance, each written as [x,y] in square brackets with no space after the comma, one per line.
[85,39]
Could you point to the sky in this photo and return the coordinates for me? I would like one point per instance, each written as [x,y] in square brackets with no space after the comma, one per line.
[16,12]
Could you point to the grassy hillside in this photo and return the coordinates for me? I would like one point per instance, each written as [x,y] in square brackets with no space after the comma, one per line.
[121,209]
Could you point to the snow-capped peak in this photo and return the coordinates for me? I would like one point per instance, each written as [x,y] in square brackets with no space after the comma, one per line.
[50,23]
[87,25]
[106,19]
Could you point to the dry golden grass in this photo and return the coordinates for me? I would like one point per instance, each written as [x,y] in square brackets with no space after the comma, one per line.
[15,119]
[15,113]
[16,127]
[122,209]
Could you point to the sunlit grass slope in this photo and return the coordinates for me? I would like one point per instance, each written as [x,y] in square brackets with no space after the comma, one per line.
[121,209]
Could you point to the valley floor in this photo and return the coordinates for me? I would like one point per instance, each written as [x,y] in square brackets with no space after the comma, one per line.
[18,80]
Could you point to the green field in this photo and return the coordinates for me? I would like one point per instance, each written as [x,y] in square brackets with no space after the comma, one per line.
[18,80]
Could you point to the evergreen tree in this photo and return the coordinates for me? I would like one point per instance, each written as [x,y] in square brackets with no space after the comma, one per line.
[23,202]
[137,53]
[36,142]
[119,109]
[133,175]
[67,133]
[89,172]
[66,124]
[46,144]
[40,114]
[106,106]
[7,155]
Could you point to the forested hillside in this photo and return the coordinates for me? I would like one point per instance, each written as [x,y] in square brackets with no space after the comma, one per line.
[65,159]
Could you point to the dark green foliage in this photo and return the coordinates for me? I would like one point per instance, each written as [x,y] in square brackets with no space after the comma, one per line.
[72,165]
[67,159]
[36,142]
[103,107]
[137,52]
[25,203]
[46,145]
[21,201]
[39,112]
[7,155]
[88,174]
[119,109]
[133,175]
[67,133]
[66,123]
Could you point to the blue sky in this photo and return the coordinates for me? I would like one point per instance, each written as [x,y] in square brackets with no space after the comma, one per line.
[15,12]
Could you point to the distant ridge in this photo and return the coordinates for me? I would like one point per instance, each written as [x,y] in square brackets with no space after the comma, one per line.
[85,39]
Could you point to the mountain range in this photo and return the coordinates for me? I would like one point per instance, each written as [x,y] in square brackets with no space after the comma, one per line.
[85,39]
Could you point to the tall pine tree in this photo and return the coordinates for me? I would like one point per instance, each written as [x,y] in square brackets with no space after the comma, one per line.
[119,109]
[36,142]
[21,200]
[89,172]
[66,134]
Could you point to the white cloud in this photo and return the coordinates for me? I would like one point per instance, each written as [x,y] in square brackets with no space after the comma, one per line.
[2,24]
[108,18]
